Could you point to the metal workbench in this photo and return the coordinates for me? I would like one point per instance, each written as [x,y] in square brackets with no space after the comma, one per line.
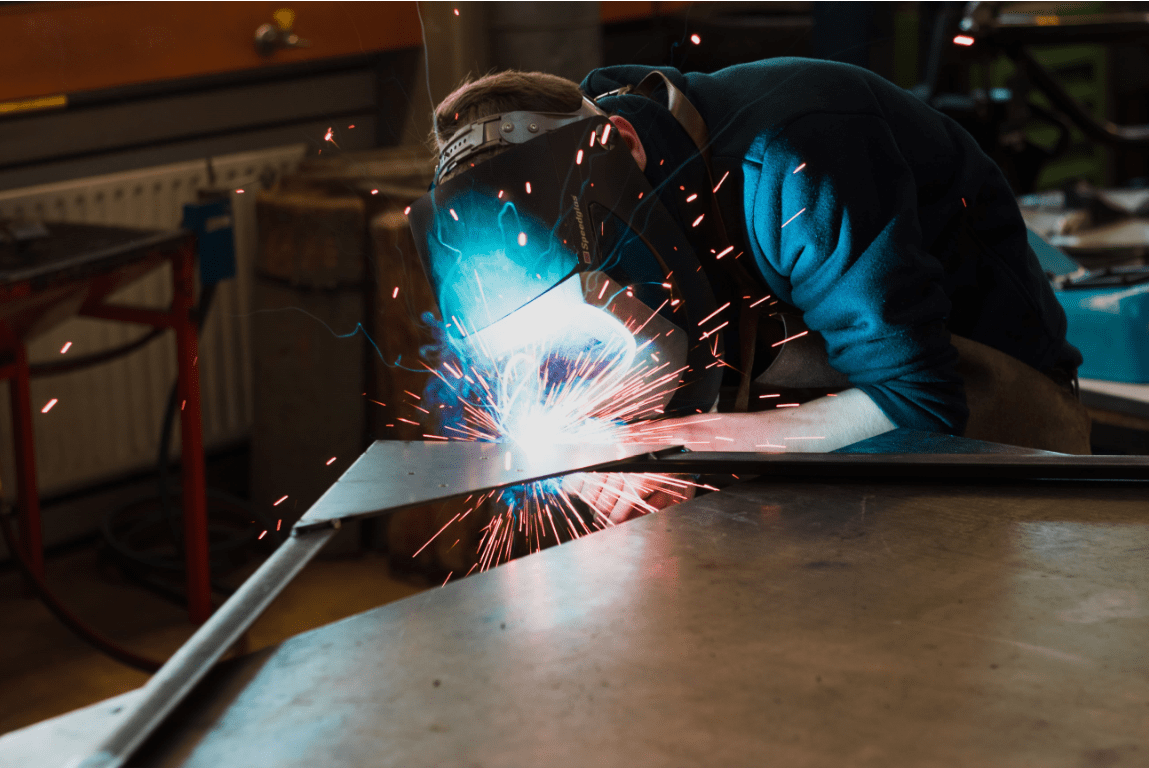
[801,623]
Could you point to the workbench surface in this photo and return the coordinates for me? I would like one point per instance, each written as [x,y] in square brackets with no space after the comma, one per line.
[800,625]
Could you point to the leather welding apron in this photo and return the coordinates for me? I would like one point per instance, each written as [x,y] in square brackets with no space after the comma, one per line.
[1009,402]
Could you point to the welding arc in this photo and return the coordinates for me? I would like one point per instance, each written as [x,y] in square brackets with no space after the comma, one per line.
[66,617]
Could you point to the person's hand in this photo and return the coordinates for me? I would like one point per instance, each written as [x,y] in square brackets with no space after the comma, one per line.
[617,496]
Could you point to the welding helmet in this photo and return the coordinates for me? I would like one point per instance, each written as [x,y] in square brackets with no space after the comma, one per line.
[555,233]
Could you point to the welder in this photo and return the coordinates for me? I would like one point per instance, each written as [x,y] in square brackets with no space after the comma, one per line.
[890,248]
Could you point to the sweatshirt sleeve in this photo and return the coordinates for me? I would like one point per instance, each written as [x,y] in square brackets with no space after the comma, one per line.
[832,209]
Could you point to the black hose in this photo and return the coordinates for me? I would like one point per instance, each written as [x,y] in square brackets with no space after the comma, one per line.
[85,632]
[57,367]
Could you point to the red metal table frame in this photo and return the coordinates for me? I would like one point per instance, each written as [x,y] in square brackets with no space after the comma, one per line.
[177,317]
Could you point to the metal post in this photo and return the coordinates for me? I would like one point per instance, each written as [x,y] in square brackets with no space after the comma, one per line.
[27,495]
[196,554]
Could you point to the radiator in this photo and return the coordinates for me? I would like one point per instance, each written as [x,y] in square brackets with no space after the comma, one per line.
[107,421]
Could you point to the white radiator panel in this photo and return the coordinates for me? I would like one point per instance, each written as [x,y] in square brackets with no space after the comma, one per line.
[108,418]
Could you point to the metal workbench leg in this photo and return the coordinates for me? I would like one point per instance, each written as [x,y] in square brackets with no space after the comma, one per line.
[196,553]
[27,494]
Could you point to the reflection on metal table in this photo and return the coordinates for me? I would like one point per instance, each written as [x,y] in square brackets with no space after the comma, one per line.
[813,622]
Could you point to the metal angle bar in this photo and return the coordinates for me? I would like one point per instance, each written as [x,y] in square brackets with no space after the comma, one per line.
[175,679]
[890,466]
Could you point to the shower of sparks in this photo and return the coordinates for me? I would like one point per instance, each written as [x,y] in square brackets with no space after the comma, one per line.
[49,406]
[545,395]
[796,215]
[66,347]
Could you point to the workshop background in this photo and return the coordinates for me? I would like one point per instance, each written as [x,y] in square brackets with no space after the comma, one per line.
[309,121]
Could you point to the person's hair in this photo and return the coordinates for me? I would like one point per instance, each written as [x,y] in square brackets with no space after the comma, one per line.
[508,91]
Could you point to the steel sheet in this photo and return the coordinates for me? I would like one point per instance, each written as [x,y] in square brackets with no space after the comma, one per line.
[818,624]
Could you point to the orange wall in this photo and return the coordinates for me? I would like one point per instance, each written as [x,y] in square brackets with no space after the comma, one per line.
[67,47]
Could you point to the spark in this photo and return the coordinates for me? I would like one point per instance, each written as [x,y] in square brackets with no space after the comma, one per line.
[768,445]
[606,133]
[698,220]
[695,39]
[329,136]
[350,127]
[278,523]
[281,500]
[800,167]
[692,198]
[789,338]
[787,405]
[759,301]
[522,238]
[261,535]
[528,187]
[715,312]
[500,194]
[763,397]
[66,347]
[50,404]
[395,293]
[407,211]
[963,205]
[796,215]
[183,405]
[727,439]
[407,421]
[330,461]
[713,331]
[456,11]
[725,251]
[965,40]
[578,158]
[719,184]
[239,191]
[374,191]
[805,437]
[454,215]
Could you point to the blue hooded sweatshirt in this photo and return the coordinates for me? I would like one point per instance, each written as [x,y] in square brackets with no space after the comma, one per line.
[876,216]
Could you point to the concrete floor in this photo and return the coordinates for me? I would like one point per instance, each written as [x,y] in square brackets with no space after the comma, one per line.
[45,670]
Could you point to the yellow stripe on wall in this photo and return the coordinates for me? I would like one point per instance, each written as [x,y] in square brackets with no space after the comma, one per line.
[29,105]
